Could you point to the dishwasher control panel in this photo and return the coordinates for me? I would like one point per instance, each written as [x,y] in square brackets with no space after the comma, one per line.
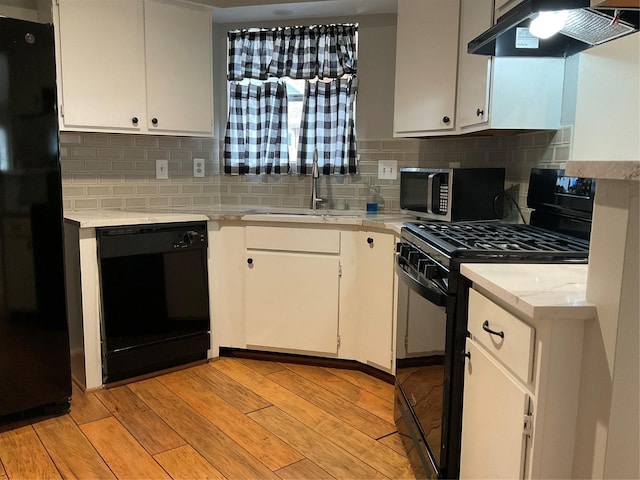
[151,238]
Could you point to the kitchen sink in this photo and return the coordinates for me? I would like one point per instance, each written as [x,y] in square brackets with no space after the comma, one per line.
[301,216]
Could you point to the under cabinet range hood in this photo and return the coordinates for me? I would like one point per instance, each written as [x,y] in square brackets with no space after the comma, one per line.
[579,27]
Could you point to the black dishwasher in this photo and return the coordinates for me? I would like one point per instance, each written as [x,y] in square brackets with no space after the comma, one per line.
[154,297]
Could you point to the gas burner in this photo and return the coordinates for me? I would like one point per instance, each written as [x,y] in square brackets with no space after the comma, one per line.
[481,239]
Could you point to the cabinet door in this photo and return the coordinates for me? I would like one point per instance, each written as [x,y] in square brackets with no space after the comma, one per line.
[375,290]
[101,51]
[291,301]
[426,67]
[494,405]
[503,6]
[179,67]
[473,70]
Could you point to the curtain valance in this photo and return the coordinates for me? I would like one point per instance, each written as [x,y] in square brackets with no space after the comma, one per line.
[324,51]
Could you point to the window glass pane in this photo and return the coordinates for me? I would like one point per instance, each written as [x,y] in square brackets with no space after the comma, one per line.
[295,93]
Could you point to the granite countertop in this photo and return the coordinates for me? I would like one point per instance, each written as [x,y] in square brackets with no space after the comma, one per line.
[110,218]
[537,291]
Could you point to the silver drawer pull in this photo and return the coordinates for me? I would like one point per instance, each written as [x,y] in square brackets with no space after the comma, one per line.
[485,327]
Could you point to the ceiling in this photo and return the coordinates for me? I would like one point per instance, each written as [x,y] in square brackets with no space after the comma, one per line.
[232,11]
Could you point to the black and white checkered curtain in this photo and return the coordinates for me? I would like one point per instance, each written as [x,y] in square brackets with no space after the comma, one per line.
[256,135]
[325,51]
[328,126]
[250,53]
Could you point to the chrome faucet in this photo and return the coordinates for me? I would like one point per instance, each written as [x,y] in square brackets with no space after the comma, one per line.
[315,174]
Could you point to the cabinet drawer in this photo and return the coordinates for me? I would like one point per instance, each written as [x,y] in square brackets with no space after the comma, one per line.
[514,348]
[293,239]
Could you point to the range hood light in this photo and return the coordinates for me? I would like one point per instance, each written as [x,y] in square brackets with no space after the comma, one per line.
[515,32]
[546,24]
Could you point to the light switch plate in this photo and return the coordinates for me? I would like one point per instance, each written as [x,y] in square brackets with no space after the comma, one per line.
[162,169]
[198,167]
[388,170]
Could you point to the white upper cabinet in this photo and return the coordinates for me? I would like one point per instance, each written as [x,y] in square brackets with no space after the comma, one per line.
[124,63]
[179,73]
[473,70]
[426,67]
[101,48]
[503,6]
[504,93]
[436,79]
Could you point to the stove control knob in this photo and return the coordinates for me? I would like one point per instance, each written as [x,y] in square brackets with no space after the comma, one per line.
[422,264]
[430,271]
[427,268]
[412,256]
[403,249]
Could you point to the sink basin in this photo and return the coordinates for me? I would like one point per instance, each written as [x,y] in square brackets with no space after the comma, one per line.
[301,216]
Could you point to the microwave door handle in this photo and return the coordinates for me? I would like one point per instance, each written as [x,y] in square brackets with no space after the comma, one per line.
[430,192]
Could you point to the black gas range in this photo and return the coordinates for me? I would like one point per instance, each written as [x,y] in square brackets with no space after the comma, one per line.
[432,321]
[490,241]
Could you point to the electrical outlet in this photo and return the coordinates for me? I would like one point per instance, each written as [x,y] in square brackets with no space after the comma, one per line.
[162,169]
[388,170]
[198,167]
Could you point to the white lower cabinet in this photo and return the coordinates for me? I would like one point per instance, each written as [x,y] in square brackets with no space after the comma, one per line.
[495,405]
[305,289]
[291,289]
[291,301]
[367,297]
[520,393]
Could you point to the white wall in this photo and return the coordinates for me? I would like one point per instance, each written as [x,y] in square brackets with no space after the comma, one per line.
[607,438]
[607,124]
[607,128]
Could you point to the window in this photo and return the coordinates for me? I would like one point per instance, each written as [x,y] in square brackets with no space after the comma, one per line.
[291,98]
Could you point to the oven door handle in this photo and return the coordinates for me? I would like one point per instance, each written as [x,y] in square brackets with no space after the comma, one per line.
[432,292]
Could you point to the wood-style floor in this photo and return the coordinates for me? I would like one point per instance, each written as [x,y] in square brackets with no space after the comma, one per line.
[231,418]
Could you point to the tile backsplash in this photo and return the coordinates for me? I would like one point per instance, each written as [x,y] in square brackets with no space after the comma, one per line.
[118,170]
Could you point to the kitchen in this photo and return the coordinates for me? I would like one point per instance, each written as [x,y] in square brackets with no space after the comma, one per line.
[117,171]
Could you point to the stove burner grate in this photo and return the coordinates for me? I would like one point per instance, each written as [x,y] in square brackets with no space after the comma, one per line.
[497,237]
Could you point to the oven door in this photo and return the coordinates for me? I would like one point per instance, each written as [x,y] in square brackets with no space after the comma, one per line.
[420,370]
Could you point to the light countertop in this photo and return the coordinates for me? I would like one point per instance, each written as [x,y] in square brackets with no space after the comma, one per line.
[606,170]
[537,291]
[114,218]
[108,218]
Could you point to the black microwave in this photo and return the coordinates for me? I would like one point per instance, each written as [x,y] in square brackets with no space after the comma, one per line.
[452,194]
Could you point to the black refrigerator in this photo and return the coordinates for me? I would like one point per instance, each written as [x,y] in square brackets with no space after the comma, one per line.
[35,373]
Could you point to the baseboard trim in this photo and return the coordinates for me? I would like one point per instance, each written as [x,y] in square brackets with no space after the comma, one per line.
[307,360]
